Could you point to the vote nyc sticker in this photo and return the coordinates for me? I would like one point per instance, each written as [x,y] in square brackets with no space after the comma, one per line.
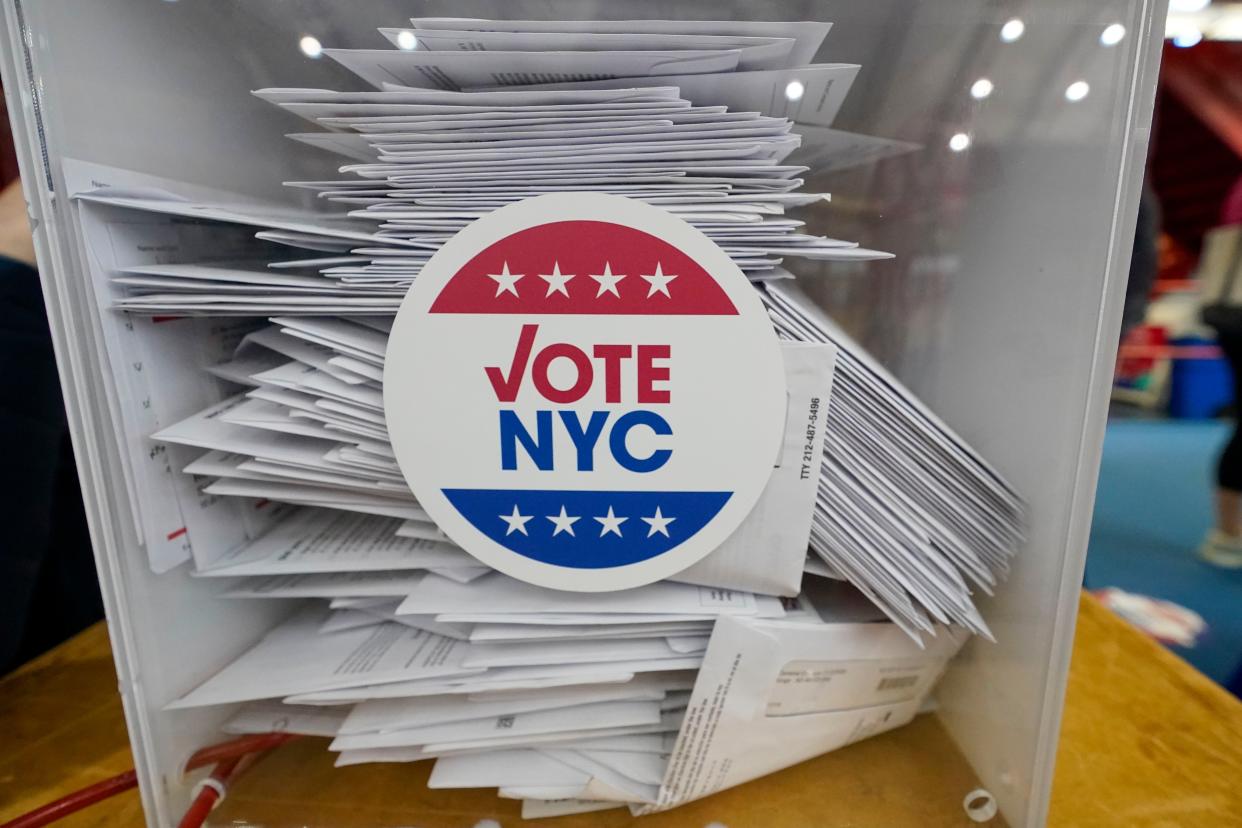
[584,392]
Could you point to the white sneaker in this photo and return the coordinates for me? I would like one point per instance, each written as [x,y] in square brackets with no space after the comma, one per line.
[1222,550]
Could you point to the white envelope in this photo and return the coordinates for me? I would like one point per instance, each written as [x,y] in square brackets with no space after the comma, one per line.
[516,654]
[807,34]
[412,95]
[551,738]
[543,632]
[322,496]
[542,809]
[644,767]
[327,585]
[806,94]
[659,744]
[398,714]
[609,783]
[467,70]
[503,768]
[756,52]
[348,619]
[507,679]
[296,658]
[276,717]
[771,694]
[778,529]
[499,593]
[514,727]
[312,541]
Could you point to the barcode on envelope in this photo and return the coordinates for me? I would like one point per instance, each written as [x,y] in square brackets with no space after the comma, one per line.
[896,683]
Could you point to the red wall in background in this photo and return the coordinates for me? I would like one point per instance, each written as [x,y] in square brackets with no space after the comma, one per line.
[8,158]
[1197,144]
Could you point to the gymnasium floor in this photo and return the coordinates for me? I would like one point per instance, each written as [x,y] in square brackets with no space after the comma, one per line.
[1152,508]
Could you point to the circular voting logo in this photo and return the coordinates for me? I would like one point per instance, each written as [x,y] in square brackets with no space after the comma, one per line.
[584,392]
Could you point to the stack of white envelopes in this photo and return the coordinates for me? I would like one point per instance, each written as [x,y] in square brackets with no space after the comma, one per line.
[307,427]
[463,121]
[427,176]
[403,647]
[577,702]
[905,510]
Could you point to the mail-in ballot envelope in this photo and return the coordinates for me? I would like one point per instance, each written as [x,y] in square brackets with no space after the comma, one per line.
[771,694]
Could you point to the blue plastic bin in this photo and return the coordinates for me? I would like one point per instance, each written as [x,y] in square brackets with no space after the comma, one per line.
[1199,388]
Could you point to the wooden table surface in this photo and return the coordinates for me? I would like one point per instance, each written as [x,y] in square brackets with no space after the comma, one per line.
[1147,742]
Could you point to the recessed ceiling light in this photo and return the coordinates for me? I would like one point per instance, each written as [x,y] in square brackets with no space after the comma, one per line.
[1012,30]
[981,88]
[1112,34]
[310,46]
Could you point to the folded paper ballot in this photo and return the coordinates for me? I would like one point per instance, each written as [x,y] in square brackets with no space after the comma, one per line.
[263,452]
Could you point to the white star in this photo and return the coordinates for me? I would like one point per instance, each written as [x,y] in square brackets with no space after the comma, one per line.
[658,281]
[556,281]
[516,521]
[564,523]
[658,523]
[506,282]
[607,281]
[611,523]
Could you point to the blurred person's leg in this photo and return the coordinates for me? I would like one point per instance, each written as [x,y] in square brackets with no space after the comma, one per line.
[47,576]
[1223,545]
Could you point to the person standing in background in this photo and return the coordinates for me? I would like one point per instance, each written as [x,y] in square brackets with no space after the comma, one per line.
[1144,258]
[1221,286]
[48,587]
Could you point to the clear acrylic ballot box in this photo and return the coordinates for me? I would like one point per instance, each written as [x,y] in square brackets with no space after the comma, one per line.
[997,149]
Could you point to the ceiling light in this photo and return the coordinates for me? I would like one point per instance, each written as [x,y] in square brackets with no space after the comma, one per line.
[1012,30]
[1077,90]
[1187,37]
[310,46]
[1112,34]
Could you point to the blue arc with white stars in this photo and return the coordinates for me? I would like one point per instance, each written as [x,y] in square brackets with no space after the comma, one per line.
[587,529]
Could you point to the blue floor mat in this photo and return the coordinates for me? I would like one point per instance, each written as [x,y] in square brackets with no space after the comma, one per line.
[1153,505]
